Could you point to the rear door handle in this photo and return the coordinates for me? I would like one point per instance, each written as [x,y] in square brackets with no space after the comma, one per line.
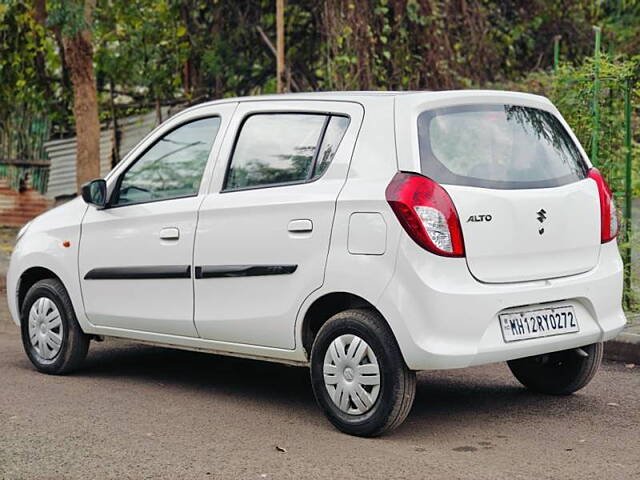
[169,233]
[303,225]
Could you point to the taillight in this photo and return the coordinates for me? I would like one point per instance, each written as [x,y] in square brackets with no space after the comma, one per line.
[608,212]
[427,213]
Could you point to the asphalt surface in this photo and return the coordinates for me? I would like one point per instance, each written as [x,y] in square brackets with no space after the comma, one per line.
[145,412]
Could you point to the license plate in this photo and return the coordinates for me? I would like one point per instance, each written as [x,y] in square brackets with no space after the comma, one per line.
[542,322]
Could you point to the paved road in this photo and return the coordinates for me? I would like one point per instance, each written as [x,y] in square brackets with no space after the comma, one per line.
[145,412]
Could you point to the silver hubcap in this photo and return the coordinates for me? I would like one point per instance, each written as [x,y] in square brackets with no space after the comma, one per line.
[45,328]
[351,374]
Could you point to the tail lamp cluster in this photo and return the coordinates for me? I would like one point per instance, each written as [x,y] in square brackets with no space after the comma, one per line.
[608,214]
[427,213]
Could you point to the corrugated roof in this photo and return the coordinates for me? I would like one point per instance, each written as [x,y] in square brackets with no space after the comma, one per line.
[62,153]
[62,172]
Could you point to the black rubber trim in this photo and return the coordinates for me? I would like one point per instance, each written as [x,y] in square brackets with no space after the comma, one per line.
[139,273]
[224,271]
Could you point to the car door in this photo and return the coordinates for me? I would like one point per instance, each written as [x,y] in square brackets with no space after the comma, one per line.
[135,255]
[263,232]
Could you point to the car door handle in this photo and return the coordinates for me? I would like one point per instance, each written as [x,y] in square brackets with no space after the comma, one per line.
[169,233]
[303,225]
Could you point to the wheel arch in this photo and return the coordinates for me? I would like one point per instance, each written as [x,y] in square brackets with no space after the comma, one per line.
[29,278]
[326,306]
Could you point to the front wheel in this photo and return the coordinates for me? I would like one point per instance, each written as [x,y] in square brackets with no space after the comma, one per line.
[558,373]
[52,338]
[359,377]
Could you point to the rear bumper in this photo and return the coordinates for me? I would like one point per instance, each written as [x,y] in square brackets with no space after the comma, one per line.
[444,318]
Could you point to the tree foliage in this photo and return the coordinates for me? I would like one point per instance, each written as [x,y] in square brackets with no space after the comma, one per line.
[27,61]
[148,52]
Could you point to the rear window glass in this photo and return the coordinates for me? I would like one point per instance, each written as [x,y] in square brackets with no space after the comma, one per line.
[283,148]
[332,138]
[275,149]
[497,146]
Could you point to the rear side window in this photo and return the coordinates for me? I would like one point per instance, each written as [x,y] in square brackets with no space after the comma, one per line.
[283,148]
[497,146]
[332,137]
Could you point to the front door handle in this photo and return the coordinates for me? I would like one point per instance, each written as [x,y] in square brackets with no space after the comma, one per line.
[303,225]
[169,233]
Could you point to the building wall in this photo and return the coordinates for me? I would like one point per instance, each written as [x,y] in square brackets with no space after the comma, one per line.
[17,208]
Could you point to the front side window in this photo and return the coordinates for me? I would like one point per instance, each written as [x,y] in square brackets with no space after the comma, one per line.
[497,146]
[172,167]
[282,148]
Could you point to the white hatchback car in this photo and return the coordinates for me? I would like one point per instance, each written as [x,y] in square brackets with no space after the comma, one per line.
[365,234]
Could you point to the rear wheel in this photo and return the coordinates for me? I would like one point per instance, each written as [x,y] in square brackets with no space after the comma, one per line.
[558,373]
[51,335]
[358,375]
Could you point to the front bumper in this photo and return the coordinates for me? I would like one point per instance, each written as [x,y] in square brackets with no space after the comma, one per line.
[444,318]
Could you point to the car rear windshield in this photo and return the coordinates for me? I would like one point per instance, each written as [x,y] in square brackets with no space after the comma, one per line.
[497,146]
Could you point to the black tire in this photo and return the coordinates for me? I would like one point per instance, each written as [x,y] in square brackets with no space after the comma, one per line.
[74,344]
[397,383]
[558,373]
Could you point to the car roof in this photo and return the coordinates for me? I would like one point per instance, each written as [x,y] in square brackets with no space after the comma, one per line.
[372,95]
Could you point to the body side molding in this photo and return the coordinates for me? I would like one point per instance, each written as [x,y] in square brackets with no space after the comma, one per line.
[139,272]
[225,271]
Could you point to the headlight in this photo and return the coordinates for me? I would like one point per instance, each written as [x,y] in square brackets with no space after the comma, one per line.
[22,231]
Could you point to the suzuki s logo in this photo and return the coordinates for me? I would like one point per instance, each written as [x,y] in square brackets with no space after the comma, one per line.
[541,216]
[479,218]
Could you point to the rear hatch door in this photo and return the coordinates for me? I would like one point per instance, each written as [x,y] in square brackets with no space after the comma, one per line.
[519,183]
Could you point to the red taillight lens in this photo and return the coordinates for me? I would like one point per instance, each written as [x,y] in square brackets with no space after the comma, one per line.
[427,213]
[608,213]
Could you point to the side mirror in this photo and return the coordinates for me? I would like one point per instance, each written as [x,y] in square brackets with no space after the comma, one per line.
[95,193]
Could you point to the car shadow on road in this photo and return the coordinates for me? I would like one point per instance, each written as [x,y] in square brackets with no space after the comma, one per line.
[196,370]
[479,396]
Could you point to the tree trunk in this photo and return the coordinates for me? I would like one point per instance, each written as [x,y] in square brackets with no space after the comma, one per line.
[280,73]
[39,13]
[79,58]
[191,81]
